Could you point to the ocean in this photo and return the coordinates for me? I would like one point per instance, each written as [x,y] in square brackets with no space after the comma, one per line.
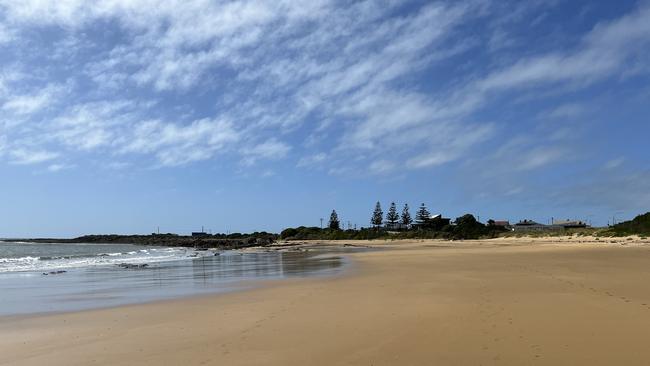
[42,278]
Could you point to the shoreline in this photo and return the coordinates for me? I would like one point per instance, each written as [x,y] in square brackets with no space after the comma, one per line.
[107,285]
[350,267]
[427,302]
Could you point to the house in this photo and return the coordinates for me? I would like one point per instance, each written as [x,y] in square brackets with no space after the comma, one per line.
[398,226]
[438,221]
[530,225]
[434,222]
[570,224]
[500,223]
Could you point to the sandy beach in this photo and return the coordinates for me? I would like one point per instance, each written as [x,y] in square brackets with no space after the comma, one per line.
[513,301]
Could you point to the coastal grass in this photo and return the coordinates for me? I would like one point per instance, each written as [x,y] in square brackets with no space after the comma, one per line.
[640,225]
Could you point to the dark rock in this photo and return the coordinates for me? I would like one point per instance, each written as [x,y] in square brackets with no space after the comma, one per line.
[132,266]
[54,272]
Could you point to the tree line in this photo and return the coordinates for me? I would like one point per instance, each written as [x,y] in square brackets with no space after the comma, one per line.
[398,226]
[393,218]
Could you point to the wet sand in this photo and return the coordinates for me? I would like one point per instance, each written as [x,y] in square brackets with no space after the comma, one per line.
[499,302]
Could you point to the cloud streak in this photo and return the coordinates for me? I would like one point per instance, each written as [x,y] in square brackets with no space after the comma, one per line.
[324,83]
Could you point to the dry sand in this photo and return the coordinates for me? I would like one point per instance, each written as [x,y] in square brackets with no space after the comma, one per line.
[499,302]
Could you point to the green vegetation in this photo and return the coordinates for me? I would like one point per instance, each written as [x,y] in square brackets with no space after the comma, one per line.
[392,217]
[552,233]
[377,216]
[406,216]
[316,233]
[466,227]
[422,215]
[640,225]
[334,223]
[225,241]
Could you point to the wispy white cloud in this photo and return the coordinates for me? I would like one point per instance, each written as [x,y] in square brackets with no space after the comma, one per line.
[315,55]
[186,81]
[614,163]
[382,166]
[24,156]
[91,125]
[271,149]
[541,156]
[312,160]
[58,167]
[176,144]
[24,104]
[602,53]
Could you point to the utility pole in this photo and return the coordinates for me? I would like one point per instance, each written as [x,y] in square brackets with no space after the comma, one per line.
[321,223]
[614,217]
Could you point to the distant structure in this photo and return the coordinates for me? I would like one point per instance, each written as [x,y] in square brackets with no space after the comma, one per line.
[439,221]
[200,234]
[500,223]
[570,224]
[434,222]
[398,226]
[530,225]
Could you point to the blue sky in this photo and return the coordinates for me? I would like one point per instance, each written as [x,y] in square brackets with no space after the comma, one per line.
[121,116]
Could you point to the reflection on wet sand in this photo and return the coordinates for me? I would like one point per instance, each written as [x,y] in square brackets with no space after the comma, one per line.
[106,286]
[260,265]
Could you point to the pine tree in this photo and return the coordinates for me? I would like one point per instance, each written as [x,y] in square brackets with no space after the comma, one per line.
[392,216]
[377,216]
[334,223]
[406,216]
[423,215]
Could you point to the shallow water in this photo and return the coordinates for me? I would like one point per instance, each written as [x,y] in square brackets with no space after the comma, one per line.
[107,284]
[17,256]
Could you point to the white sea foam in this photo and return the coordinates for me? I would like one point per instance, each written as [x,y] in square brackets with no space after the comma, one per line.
[19,260]
[44,264]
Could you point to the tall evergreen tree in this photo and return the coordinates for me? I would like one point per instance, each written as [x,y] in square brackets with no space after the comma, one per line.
[406,216]
[392,216]
[377,216]
[334,223]
[422,215]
